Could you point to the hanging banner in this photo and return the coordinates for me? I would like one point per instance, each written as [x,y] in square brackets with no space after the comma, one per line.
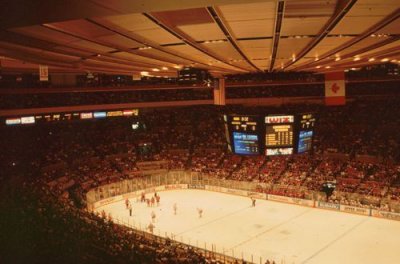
[43,73]
[335,89]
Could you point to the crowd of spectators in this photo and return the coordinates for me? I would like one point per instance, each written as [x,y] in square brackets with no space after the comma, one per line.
[14,100]
[356,149]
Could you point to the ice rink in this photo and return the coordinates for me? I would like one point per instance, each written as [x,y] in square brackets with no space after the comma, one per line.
[283,232]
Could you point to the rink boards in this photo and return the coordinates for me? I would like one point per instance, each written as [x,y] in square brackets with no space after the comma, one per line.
[256,195]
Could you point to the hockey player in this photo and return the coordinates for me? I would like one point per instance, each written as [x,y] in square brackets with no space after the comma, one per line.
[152,201]
[158,200]
[151,227]
[253,202]
[175,207]
[200,212]
[130,210]
[153,216]
[127,203]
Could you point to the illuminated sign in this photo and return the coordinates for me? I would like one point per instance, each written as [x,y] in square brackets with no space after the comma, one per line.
[307,121]
[99,114]
[279,151]
[244,123]
[305,141]
[13,121]
[87,115]
[28,120]
[115,113]
[246,144]
[127,112]
[279,135]
[279,119]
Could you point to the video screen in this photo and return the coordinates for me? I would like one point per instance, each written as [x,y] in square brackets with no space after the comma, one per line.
[279,135]
[305,141]
[245,144]
[279,151]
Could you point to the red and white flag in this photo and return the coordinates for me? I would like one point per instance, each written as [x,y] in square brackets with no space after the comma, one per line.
[335,88]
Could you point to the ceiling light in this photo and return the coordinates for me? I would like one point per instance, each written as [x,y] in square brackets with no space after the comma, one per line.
[177,66]
[318,67]
[155,69]
[164,68]
[393,60]
[144,73]
[144,48]
[316,59]
[384,60]
[371,59]
[327,67]
[356,59]
[353,69]
[337,59]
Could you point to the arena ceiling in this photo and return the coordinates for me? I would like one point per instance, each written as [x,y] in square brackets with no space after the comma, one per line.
[223,36]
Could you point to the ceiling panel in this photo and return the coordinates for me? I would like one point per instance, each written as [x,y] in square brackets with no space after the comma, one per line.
[392,28]
[326,45]
[256,49]
[392,45]
[190,16]
[224,49]
[303,25]
[137,58]
[120,41]
[252,28]
[191,53]
[251,11]
[45,34]
[362,44]
[364,14]
[91,46]
[159,35]
[289,47]
[73,51]
[82,27]
[202,32]
[132,22]
[163,55]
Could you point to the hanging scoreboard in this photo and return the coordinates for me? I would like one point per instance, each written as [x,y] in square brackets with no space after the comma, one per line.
[271,134]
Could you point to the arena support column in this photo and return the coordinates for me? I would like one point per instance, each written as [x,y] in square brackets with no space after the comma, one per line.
[219,91]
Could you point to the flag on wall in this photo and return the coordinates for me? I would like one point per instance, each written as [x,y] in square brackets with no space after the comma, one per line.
[43,73]
[335,88]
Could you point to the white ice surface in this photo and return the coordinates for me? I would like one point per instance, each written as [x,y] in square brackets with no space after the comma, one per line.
[283,232]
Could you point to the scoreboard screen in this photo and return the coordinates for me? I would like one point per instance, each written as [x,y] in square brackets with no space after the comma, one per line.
[305,141]
[279,151]
[279,135]
[243,123]
[307,121]
[246,144]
